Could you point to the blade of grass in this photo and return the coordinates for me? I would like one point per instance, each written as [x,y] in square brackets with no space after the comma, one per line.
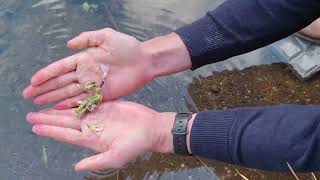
[292,171]
[242,176]
[44,156]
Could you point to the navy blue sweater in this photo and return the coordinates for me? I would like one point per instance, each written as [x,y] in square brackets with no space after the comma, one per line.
[265,137]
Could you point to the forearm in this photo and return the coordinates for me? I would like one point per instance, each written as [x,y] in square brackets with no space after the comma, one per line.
[166,54]
[263,138]
[238,26]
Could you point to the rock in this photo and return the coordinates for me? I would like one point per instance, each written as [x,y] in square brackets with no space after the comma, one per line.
[214,89]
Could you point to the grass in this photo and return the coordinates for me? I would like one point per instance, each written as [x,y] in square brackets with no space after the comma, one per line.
[241,175]
[210,171]
[297,177]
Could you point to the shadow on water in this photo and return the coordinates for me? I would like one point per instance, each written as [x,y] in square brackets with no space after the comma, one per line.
[34,33]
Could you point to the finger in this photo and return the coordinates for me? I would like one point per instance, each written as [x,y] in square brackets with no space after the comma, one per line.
[54,120]
[71,102]
[88,39]
[55,69]
[66,112]
[66,92]
[106,160]
[55,83]
[66,135]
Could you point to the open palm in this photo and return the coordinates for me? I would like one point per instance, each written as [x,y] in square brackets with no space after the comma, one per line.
[118,137]
[63,80]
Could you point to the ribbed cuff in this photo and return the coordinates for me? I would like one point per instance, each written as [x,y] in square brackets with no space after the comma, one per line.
[202,38]
[210,135]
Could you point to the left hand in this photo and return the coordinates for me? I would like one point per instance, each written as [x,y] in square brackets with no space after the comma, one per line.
[120,131]
[63,81]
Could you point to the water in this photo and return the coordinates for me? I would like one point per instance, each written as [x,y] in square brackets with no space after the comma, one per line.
[34,33]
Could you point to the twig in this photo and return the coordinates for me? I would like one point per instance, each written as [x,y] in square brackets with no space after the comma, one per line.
[44,156]
[313,176]
[242,176]
[292,171]
[117,174]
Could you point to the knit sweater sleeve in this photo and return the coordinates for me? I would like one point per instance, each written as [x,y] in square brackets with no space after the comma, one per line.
[239,26]
[260,137]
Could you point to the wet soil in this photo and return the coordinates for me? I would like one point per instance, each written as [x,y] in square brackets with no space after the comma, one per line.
[255,86]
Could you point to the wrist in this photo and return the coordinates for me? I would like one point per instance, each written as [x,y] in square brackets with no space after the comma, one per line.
[190,123]
[166,54]
[163,141]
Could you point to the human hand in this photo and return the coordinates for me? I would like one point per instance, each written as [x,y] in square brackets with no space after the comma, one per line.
[129,69]
[120,131]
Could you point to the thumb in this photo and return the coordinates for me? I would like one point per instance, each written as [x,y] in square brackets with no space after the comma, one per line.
[87,39]
[106,160]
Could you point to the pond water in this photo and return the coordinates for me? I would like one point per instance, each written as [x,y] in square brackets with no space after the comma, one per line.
[34,33]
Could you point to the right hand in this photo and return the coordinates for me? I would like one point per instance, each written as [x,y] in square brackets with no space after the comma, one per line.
[122,132]
[129,69]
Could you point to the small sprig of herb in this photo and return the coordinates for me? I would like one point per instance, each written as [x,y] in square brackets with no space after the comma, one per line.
[94,128]
[92,101]
[95,91]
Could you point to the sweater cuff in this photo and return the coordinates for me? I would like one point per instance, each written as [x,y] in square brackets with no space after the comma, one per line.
[202,38]
[209,136]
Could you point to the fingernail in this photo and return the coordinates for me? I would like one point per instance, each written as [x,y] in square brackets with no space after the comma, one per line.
[78,167]
[36,78]
[35,129]
[32,81]
[29,117]
[26,93]
[29,114]
[69,43]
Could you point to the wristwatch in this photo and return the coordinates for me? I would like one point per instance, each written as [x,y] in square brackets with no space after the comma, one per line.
[179,132]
